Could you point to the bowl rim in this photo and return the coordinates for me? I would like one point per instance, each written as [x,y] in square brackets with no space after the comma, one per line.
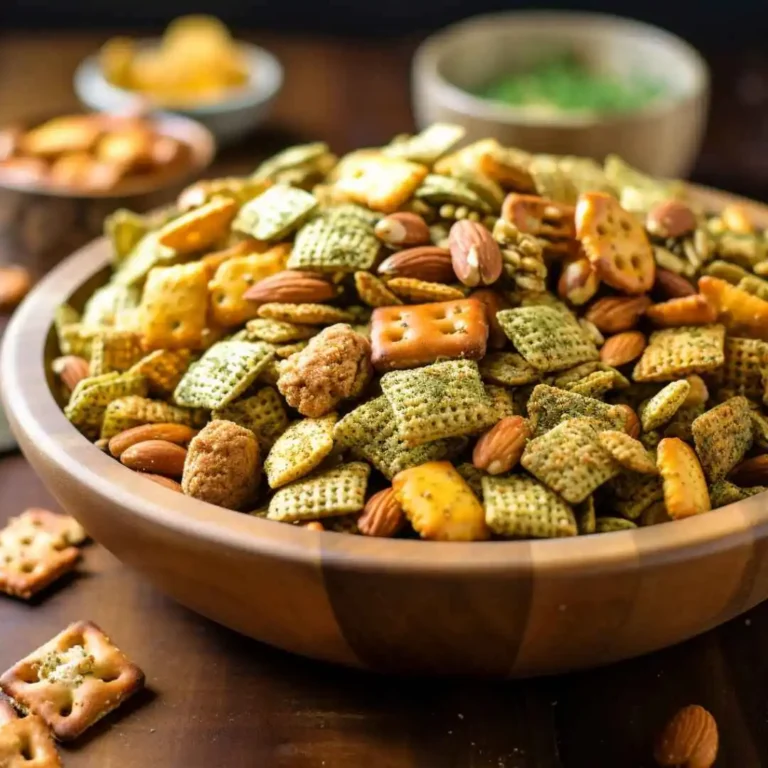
[44,433]
[428,58]
[259,90]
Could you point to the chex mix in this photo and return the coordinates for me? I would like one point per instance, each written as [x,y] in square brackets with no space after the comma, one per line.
[432,339]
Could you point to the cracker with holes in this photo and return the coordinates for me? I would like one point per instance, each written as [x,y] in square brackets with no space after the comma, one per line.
[546,338]
[174,307]
[628,452]
[27,743]
[276,213]
[507,369]
[64,530]
[406,337]
[114,350]
[338,491]
[299,450]
[306,314]
[373,291]
[663,406]
[550,406]
[540,217]
[277,331]
[745,369]
[133,410]
[674,353]
[521,507]
[570,460]
[163,369]
[73,680]
[723,436]
[615,242]
[200,228]
[222,374]
[502,401]
[444,399]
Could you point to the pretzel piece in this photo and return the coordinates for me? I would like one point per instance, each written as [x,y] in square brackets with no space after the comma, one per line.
[26,743]
[540,217]
[407,337]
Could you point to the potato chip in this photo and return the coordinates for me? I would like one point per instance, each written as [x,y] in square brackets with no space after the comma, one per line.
[299,450]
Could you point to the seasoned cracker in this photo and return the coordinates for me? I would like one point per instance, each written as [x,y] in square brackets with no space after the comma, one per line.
[723,436]
[7,713]
[662,407]
[163,369]
[611,524]
[503,402]
[570,460]
[439,400]
[745,369]
[299,450]
[549,406]
[77,339]
[681,423]
[134,410]
[263,413]
[437,190]
[307,314]
[373,291]
[276,213]
[222,374]
[64,530]
[508,369]
[521,507]
[546,338]
[585,516]
[113,350]
[428,146]
[595,385]
[685,488]
[413,290]
[674,353]
[277,331]
[334,492]
[723,493]
[73,680]
[634,493]
[567,379]
[200,228]
[628,452]
[26,743]
[759,429]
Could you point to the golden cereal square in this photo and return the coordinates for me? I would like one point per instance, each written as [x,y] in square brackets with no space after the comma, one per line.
[134,410]
[299,450]
[276,213]
[163,369]
[550,406]
[199,228]
[263,413]
[321,245]
[674,353]
[113,350]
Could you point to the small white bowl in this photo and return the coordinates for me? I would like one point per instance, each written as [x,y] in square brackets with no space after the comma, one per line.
[229,119]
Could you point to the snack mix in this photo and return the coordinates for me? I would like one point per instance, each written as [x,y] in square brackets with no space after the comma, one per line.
[419,340]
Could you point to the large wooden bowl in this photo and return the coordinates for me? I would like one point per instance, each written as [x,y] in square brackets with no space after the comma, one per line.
[495,608]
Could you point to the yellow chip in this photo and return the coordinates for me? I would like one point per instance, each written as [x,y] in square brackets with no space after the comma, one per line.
[309,314]
[199,228]
[412,289]
[163,369]
[299,450]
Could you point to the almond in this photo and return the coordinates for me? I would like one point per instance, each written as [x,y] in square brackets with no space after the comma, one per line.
[172,433]
[631,421]
[751,472]
[672,285]
[670,218]
[687,310]
[475,254]
[71,369]
[689,740]
[157,457]
[402,229]
[614,314]
[313,525]
[166,482]
[15,282]
[292,287]
[578,281]
[494,302]
[501,447]
[427,262]
[382,516]
[622,348]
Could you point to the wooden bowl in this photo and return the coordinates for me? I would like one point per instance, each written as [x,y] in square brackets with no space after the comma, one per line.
[662,138]
[503,609]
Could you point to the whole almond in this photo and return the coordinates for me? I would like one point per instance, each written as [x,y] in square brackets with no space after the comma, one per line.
[578,281]
[622,348]
[689,740]
[382,515]
[71,370]
[631,420]
[670,218]
[614,314]
[158,457]
[15,282]
[166,482]
[751,472]
[426,262]
[292,287]
[672,285]
[494,302]
[402,229]
[172,433]
[475,254]
[313,525]
[501,447]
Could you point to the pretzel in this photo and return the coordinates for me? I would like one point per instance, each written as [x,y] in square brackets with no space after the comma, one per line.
[7,712]
[406,337]
[547,219]
[615,242]
[26,743]
[73,680]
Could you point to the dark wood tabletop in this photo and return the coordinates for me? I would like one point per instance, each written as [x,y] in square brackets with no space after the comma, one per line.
[217,699]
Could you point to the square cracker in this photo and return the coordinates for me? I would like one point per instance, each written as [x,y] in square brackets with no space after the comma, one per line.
[27,743]
[276,213]
[263,413]
[440,400]
[113,350]
[133,411]
[745,368]
[549,406]
[64,530]
[199,228]
[674,353]
[163,369]
[548,339]
[73,680]
[299,450]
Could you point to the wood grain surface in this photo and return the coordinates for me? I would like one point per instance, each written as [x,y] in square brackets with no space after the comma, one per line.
[217,699]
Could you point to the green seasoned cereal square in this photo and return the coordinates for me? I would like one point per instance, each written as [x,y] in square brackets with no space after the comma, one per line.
[276,213]
[595,385]
[428,146]
[436,190]
[663,406]
[567,379]
[113,350]
[611,524]
[570,460]
[507,369]
[549,406]
[338,491]
[674,353]
[745,368]
[473,477]
[520,507]
[586,516]
[289,158]
[633,493]
[299,450]
[222,374]
[503,402]
[546,338]
[263,413]
[723,493]
[441,400]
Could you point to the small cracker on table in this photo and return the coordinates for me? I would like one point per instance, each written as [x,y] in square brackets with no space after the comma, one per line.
[546,338]
[414,290]
[113,350]
[263,413]
[674,353]
[334,492]
[133,411]
[722,436]
[628,452]
[373,291]
[570,460]
[64,530]
[662,407]
[278,331]
[508,369]
[163,369]
[519,506]
[444,399]
[73,680]
[274,214]
[27,743]
[309,314]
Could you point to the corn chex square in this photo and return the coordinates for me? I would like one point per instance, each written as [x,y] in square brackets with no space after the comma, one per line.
[91,397]
[263,413]
[674,353]
[334,492]
[276,213]
[134,410]
[633,493]
[745,369]
[521,507]
[113,350]
[277,331]
[222,374]
[663,406]
[163,369]
[546,338]
[549,406]
[299,450]
[570,460]
[445,399]
[437,190]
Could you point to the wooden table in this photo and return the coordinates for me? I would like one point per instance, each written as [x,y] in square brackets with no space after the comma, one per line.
[217,699]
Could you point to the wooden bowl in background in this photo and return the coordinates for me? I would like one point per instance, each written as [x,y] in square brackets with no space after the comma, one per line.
[515,608]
